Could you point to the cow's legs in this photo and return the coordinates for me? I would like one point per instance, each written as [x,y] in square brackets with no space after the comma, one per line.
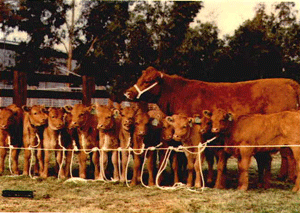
[190,169]
[243,164]
[151,168]
[125,156]
[136,170]
[15,161]
[27,154]
[59,160]
[175,167]
[198,180]
[296,152]
[115,162]
[263,160]
[68,163]
[46,164]
[221,169]
[95,160]
[103,164]
[2,159]
[209,155]
[82,164]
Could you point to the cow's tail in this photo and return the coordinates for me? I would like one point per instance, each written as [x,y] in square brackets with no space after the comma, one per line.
[296,87]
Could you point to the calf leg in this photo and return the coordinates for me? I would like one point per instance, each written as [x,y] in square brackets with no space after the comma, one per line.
[221,169]
[103,164]
[46,164]
[136,170]
[197,165]
[15,161]
[175,167]
[209,155]
[27,154]
[68,163]
[151,168]
[59,160]
[125,156]
[190,168]
[115,162]
[296,152]
[2,159]
[243,164]
[82,164]
[95,159]
[263,160]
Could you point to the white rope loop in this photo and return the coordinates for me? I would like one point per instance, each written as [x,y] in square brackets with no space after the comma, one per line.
[143,91]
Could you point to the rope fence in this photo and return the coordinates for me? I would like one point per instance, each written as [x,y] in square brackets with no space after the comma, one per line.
[200,149]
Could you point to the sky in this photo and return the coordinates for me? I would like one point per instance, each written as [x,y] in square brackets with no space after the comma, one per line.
[228,15]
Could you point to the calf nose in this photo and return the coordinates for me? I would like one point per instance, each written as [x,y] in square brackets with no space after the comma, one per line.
[176,137]
[215,130]
[100,126]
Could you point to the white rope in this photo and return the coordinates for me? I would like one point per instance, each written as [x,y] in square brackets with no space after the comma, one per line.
[10,152]
[143,91]
[63,156]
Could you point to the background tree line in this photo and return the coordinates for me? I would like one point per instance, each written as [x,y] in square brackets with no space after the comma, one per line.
[115,40]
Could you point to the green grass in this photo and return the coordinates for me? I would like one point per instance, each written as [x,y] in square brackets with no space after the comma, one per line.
[54,195]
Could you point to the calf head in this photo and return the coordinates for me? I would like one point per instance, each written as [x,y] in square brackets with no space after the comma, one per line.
[182,125]
[141,123]
[206,122]
[149,81]
[156,117]
[127,118]
[56,118]
[37,114]
[7,118]
[80,115]
[105,116]
[221,121]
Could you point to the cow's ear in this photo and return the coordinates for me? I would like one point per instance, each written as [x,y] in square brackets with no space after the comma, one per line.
[229,116]
[26,108]
[207,113]
[68,108]
[92,109]
[169,119]
[197,119]
[191,121]
[116,113]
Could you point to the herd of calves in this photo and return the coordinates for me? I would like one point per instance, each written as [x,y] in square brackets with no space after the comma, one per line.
[98,130]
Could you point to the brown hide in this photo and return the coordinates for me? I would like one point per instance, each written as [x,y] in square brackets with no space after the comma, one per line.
[86,124]
[34,121]
[263,130]
[56,136]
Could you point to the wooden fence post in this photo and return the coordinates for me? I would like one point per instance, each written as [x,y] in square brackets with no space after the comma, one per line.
[88,89]
[20,88]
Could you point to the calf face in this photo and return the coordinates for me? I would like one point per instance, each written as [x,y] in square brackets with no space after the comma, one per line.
[167,130]
[37,114]
[6,118]
[127,117]
[79,115]
[182,126]
[105,117]
[141,124]
[221,120]
[56,118]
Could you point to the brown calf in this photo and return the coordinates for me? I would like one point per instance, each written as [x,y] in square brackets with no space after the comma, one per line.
[57,137]
[86,124]
[10,134]
[34,121]
[109,138]
[262,130]
[189,134]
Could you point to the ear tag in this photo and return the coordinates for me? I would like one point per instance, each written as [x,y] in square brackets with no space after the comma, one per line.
[93,111]
[197,120]
[191,125]
[155,122]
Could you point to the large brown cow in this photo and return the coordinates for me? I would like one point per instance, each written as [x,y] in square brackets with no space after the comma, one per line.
[175,94]
[34,121]
[262,134]
[10,135]
[86,124]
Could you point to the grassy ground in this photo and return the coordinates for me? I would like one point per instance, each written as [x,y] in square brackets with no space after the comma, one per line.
[54,195]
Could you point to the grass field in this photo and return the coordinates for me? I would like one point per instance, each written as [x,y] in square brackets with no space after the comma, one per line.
[54,195]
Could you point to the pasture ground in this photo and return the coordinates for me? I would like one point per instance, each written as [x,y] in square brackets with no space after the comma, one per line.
[55,195]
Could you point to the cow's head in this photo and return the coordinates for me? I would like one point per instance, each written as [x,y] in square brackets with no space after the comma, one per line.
[37,114]
[206,122]
[105,116]
[56,118]
[221,120]
[80,115]
[141,121]
[127,117]
[148,82]
[182,125]
[7,118]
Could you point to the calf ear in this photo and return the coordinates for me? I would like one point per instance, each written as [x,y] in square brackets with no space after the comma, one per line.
[169,119]
[229,116]
[191,120]
[26,108]
[207,113]
[116,113]
[68,108]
